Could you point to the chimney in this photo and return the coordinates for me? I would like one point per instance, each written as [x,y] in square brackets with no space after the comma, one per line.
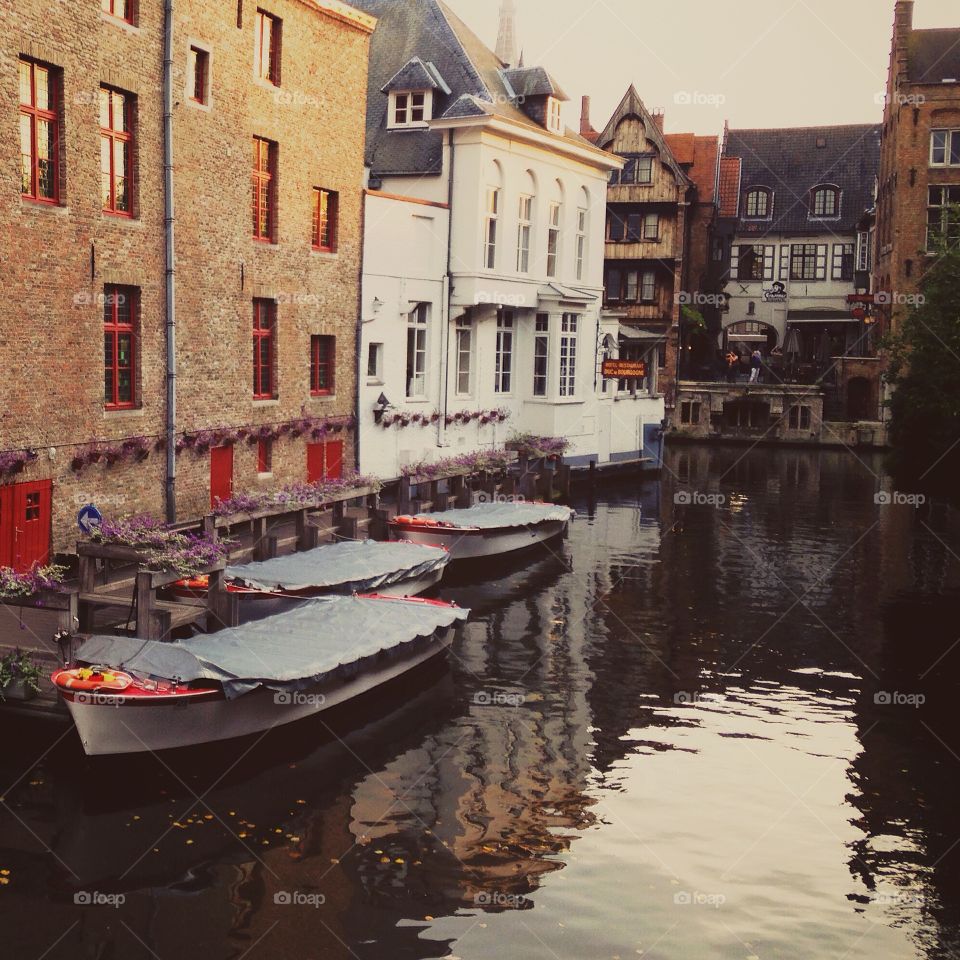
[902,29]
[658,120]
[585,127]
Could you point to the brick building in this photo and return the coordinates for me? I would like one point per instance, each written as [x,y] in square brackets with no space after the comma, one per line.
[919,159]
[267,114]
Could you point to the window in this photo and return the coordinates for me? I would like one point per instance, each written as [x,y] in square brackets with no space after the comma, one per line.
[569,332]
[198,75]
[264,165]
[638,169]
[630,285]
[266,58]
[843,261]
[752,262]
[808,261]
[39,133]
[264,456]
[648,287]
[553,240]
[503,380]
[375,362]
[417,352]
[945,148]
[541,354]
[632,290]
[581,242]
[759,204]
[121,9]
[825,202]
[264,326]
[411,109]
[323,359]
[490,236]
[523,234]
[464,348]
[943,217]
[800,418]
[325,205]
[554,115]
[690,412]
[864,258]
[119,347]
[116,151]
[651,226]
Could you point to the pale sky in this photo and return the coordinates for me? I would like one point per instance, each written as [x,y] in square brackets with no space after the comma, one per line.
[756,63]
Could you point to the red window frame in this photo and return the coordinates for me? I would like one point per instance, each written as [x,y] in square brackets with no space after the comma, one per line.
[199,70]
[117,324]
[264,327]
[264,456]
[37,116]
[120,9]
[112,139]
[267,47]
[326,209]
[264,189]
[323,364]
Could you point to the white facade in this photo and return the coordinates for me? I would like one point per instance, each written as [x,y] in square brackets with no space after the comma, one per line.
[514,324]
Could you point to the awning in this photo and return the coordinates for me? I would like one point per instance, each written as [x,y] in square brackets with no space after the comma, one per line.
[820,316]
[638,334]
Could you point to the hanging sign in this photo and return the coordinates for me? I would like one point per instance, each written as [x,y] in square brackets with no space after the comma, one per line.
[624,369]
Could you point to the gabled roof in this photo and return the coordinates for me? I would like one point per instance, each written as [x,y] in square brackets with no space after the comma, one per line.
[728,199]
[416,75]
[632,106]
[467,106]
[792,161]
[934,56]
[533,82]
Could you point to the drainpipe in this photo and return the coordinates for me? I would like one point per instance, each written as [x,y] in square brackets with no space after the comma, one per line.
[170,263]
[358,344]
[448,294]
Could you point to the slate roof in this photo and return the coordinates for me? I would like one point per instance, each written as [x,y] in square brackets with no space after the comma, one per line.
[533,82]
[429,31]
[416,75]
[790,162]
[934,55]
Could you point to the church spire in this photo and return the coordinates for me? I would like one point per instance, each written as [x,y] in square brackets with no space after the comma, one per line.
[507,37]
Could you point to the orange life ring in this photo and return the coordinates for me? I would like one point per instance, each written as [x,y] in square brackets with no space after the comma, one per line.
[89,680]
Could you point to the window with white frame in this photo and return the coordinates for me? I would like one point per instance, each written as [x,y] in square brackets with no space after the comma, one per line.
[503,382]
[943,217]
[375,363]
[523,234]
[490,228]
[808,261]
[553,240]
[825,203]
[945,148]
[759,204]
[464,348]
[651,226]
[843,261]
[569,334]
[581,243]
[864,259]
[752,262]
[410,108]
[554,115]
[541,355]
[648,287]
[417,329]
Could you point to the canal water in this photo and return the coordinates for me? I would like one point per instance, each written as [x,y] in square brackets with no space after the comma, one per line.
[720,721]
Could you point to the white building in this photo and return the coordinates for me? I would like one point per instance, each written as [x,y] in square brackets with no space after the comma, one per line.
[483,266]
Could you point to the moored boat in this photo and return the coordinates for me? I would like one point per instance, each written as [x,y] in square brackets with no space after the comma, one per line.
[133,696]
[486,529]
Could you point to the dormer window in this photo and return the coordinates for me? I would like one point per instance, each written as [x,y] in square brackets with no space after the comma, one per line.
[411,108]
[759,205]
[825,203]
[554,116]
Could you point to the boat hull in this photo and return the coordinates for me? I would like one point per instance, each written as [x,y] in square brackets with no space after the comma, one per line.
[116,725]
[472,543]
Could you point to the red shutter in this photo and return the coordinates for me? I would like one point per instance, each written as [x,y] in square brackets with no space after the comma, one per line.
[324,461]
[7,526]
[334,464]
[25,525]
[221,474]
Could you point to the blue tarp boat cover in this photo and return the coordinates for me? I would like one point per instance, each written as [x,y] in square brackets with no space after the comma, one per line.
[499,516]
[352,567]
[287,652]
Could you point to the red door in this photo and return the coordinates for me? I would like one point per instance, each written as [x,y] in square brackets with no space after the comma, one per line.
[25,524]
[324,461]
[221,474]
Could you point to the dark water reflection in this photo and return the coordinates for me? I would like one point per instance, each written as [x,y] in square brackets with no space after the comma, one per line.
[671,740]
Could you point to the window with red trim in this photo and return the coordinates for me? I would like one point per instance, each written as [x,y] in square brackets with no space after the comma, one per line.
[120,306]
[264,167]
[39,133]
[265,456]
[121,9]
[198,72]
[267,52]
[116,151]
[323,356]
[264,327]
[325,208]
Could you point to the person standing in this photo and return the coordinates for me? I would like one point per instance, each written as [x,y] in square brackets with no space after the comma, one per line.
[756,365]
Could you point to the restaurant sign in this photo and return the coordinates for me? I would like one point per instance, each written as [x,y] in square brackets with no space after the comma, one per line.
[624,369]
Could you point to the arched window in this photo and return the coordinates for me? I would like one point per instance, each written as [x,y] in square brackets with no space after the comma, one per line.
[825,202]
[759,204]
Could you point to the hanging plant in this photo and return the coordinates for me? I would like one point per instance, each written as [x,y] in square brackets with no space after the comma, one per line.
[15,461]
